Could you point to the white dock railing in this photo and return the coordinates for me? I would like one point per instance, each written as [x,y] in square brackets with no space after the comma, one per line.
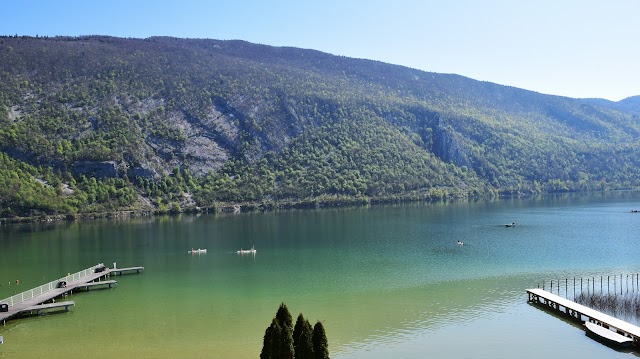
[21,297]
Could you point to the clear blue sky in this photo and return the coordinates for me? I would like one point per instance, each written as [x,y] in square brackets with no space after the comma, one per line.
[575,48]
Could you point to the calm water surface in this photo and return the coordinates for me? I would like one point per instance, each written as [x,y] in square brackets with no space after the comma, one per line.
[383,280]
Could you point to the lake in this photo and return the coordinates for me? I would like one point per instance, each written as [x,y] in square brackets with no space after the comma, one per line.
[384,280]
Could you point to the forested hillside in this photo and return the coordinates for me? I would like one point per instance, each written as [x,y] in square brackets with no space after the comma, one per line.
[101,124]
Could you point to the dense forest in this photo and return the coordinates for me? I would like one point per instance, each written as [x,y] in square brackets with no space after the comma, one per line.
[94,124]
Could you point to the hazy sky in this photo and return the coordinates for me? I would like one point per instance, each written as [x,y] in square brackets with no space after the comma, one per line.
[575,48]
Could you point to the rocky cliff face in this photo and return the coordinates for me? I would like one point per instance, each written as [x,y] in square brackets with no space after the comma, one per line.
[110,107]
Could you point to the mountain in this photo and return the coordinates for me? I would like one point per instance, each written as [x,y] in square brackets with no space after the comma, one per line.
[629,104]
[101,123]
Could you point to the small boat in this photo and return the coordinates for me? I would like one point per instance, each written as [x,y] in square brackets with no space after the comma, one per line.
[197,251]
[247,251]
[512,224]
[460,243]
[606,336]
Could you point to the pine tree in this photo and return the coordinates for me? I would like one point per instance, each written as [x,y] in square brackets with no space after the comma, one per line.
[284,317]
[278,338]
[270,342]
[303,332]
[285,343]
[320,342]
[297,329]
[281,341]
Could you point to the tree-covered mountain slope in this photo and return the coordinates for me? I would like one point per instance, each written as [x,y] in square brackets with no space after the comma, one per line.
[103,123]
[629,104]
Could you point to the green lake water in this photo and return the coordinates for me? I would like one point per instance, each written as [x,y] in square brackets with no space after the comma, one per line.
[385,281]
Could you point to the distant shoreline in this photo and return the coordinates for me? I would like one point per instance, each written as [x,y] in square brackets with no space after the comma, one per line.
[269,206]
[230,208]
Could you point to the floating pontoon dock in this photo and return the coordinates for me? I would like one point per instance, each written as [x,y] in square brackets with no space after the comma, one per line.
[35,300]
[90,285]
[50,306]
[121,271]
[581,313]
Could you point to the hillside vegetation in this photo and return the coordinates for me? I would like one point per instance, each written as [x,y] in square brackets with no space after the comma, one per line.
[101,124]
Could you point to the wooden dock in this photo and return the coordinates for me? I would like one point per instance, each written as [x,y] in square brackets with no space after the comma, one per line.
[582,313]
[49,306]
[36,299]
[121,271]
[90,285]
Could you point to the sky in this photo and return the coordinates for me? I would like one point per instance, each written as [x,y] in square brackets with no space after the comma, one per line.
[573,48]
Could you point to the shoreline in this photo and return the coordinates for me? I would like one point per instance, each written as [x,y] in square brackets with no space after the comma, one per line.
[231,208]
[268,206]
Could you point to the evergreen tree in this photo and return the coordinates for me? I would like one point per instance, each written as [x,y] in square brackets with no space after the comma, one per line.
[297,329]
[283,317]
[281,341]
[320,342]
[269,346]
[302,334]
[285,343]
[278,338]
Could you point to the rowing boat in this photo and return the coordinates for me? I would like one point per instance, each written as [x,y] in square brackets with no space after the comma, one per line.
[197,251]
[247,251]
[607,336]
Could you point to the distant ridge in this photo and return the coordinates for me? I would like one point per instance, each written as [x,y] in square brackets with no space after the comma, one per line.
[629,104]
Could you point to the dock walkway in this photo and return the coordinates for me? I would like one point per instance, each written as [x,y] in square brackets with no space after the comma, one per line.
[90,285]
[30,300]
[121,271]
[40,307]
[578,311]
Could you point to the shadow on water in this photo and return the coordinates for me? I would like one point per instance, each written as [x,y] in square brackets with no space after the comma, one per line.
[578,324]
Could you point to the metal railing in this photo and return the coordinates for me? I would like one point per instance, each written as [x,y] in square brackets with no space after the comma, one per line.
[613,284]
[21,297]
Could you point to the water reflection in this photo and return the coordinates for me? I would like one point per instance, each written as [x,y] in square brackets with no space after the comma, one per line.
[383,280]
